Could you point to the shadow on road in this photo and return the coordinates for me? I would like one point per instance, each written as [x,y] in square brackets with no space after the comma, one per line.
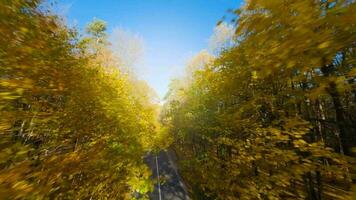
[172,187]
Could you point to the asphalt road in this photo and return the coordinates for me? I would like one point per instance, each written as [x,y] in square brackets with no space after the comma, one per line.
[171,187]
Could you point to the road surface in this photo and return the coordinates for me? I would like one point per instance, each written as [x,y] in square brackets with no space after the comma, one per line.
[171,186]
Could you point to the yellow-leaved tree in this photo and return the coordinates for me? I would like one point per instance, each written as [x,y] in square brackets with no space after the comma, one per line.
[72,124]
[273,116]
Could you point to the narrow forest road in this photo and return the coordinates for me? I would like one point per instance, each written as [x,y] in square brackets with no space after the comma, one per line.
[171,186]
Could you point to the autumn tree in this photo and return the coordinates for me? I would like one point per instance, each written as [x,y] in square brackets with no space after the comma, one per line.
[272,117]
[72,125]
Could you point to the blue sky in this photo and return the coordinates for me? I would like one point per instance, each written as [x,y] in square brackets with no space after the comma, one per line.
[172,30]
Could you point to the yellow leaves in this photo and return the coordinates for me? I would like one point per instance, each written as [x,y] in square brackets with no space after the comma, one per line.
[25,83]
[116,146]
[8,83]
[324,45]
[7,96]
[24,29]
[161,138]
[299,143]
[353,192]
[318,91]
[189,116]
[22,186]
[225,141]
[291,64]
[4,124]
[265,94]
[352,72]
[254,75]
[341,84]
[139,180]
[14,88]
[94,122]
[296,124]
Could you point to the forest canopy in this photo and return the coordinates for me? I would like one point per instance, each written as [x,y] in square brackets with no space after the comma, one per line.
[273,115]
[73,124]
[267,113]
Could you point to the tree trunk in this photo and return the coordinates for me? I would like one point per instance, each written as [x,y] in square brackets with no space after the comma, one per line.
[340,119]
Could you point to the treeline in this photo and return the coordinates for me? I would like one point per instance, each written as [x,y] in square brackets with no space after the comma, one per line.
[72,125]
[272,116]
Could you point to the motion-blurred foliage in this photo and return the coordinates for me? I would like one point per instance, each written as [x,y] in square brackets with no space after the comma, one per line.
[72,125]
[273,117]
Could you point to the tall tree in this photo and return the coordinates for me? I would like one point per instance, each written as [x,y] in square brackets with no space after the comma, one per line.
[72,125]
[272,117]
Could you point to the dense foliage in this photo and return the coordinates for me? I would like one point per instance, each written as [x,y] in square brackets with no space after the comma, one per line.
[273,116]
[72,125]
[270,116]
